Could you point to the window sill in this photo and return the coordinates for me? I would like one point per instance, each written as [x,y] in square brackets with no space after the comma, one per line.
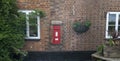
[32,39]
[112,39]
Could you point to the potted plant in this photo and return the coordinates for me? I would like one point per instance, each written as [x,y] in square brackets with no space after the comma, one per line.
[112,47]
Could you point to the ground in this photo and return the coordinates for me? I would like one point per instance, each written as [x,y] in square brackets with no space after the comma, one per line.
[59,56]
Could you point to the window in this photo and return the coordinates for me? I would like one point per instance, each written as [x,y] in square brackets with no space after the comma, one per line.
[113,23]
[32,25]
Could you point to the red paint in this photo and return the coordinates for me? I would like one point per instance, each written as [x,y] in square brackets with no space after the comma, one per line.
[56,34]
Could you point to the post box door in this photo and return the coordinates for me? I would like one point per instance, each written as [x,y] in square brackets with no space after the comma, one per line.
[56,34]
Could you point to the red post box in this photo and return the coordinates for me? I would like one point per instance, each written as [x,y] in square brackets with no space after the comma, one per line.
[56,34]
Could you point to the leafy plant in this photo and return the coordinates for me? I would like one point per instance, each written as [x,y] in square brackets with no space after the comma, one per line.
[12,27]
[17,54]
[114,35]
[100,48]
[99,60]
[111,42]
[81,27]
[38,13]
[87,23]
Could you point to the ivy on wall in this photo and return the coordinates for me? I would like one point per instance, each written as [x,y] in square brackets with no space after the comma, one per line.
[12,27]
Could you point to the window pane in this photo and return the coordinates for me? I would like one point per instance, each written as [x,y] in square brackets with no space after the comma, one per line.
[119,20]
[111,29]
[33,26]
[112,18]
[33,31]
[32,20]
[119,30]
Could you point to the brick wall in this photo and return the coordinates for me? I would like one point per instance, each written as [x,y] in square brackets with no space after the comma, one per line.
[68,11]
[44,5]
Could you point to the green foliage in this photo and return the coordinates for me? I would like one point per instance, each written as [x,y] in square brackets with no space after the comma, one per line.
[41,13]
[87,23]
[100,48]
[99,60]
[12,27]
[81,27]
[111,42]
[76,24]
[38,13]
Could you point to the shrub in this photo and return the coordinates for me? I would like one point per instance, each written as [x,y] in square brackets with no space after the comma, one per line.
[12,27]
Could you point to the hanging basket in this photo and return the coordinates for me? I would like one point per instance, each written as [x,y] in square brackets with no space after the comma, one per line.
[79,27]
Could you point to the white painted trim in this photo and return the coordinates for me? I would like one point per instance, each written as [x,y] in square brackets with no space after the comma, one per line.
[56,22]
[27,27]
[38,21]
[26,11]
[107,25]
[117,17]
[116,23]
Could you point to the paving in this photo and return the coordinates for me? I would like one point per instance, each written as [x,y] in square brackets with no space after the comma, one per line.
[59,56]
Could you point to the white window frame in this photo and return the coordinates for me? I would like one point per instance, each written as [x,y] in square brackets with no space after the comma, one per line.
[116,23]
[27,25]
